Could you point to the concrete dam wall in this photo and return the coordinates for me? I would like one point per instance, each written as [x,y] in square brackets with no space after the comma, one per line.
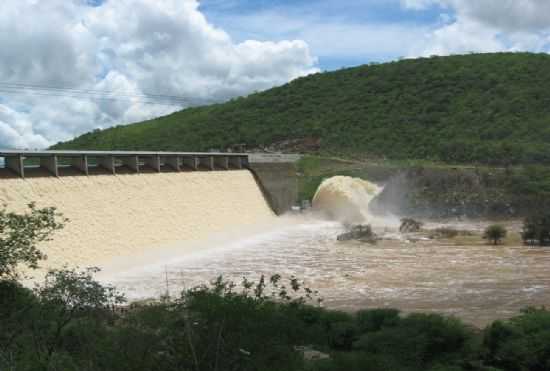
[278,183]
[123,215]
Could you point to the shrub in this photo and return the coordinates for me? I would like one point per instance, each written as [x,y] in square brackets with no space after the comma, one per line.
[522,343]
[444,232]
[66,325]
[536,229]
[375,319]
[422,340]
[495,233]
[56,326]
[19,234]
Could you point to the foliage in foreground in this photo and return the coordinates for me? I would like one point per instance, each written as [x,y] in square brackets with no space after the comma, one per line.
[69,324]
[20,234]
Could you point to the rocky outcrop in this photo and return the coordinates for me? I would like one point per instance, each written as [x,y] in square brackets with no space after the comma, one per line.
[449,192]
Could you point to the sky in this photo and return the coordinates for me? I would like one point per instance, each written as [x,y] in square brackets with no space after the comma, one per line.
[71,66]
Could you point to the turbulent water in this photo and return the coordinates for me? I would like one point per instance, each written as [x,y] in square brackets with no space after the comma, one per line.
[478,283]
[345,199]
[124,216]
[186,229]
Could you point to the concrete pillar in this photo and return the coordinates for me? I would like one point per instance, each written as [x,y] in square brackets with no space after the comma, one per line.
[153,162]
[222,162]
[80,163]
[207,161]
[235,162]
[191,161]
[107,162]
[211,163]
[173,162]
[16,164]
[50,163]
[244,162]
[132,162]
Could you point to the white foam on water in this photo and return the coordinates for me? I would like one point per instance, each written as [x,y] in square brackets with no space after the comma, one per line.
[124,216]
[347,200]
[233,258]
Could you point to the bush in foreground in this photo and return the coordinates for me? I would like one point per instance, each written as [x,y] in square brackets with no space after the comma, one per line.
[19,235]
[70,324]
[523,343]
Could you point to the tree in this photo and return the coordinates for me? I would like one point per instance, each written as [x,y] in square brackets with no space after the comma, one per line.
[20,234]
[536,229]
[63,319]
[495,233]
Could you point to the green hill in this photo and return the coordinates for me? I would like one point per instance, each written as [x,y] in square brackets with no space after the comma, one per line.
[488,108]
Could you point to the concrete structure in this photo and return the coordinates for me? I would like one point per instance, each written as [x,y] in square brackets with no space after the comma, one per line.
[22,162]
[274,173]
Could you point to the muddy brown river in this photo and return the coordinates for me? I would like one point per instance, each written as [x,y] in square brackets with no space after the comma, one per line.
[477,283]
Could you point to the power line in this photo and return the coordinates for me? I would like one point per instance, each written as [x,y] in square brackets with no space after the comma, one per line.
[48,90]
[87,91]
[53,94]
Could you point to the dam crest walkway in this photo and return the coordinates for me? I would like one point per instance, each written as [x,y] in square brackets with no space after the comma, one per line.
[59,163]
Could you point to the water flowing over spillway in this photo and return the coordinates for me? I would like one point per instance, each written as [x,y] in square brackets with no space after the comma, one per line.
[122,216]
[346,199]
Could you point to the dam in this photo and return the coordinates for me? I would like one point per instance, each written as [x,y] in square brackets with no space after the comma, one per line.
[122,204]
[154,228]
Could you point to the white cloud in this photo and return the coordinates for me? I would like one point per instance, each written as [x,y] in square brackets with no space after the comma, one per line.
[486,26]
[131,46]
[506,15]
[462,36]
[333,35]
[17,131]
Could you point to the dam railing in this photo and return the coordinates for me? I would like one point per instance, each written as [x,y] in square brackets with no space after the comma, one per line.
[57,163]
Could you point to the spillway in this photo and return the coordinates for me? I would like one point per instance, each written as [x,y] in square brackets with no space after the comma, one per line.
[126,215]
[345,199]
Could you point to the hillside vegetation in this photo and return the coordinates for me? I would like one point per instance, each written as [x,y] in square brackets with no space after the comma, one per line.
[485,108]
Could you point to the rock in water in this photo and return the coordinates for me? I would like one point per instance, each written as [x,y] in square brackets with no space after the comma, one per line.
[409,225]
[362,233]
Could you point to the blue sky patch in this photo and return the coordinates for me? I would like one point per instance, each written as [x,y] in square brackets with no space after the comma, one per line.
[278,20]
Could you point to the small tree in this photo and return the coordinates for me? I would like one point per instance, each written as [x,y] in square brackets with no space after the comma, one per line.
[71,303]
[495,233]
[19,235]
[536,229]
